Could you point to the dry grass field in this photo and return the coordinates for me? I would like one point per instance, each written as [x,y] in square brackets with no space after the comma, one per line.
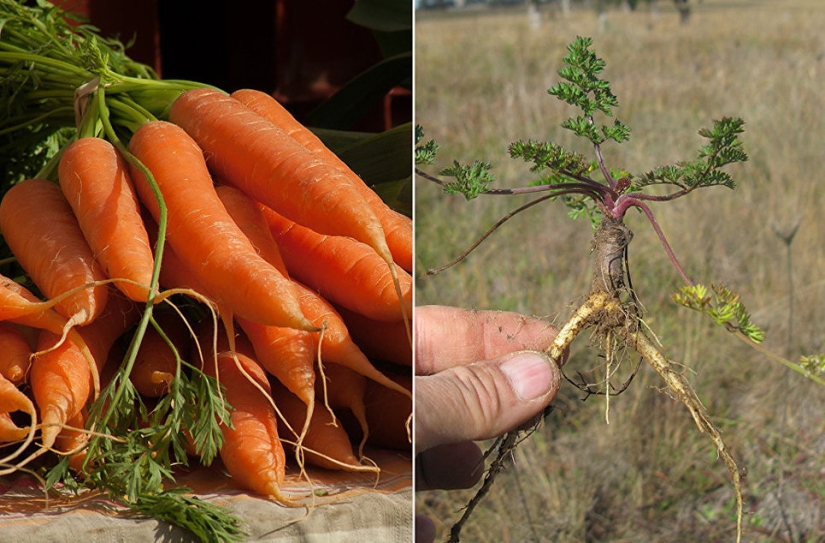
[648,475]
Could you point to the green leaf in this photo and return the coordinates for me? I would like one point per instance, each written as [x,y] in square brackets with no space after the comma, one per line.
[361,94]
[426,152]
[207,521]
[584,90]
[724,147]
[382,15]
[470,180]
[550,156]
[390,21]
[381,157]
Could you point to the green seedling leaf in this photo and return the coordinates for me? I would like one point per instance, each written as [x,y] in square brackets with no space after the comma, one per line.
[426,152]
[724,147]
[471,181]
[553,157]
[583,89]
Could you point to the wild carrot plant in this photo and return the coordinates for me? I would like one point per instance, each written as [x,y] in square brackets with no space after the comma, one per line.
[591,188]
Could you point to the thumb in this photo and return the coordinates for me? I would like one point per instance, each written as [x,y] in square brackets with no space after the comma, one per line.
[484,399]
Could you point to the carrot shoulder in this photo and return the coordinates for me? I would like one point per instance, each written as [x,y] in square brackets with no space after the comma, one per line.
[253,154]
[96,182]
[203,234]
[41,230]
[397,227]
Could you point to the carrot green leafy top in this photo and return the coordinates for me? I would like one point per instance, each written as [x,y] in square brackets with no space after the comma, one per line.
[568,174]
[53,68]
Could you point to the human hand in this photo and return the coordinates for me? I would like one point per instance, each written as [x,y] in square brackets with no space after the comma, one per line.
[479,374]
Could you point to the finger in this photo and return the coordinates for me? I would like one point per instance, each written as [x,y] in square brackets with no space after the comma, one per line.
[450,336]
[483,399]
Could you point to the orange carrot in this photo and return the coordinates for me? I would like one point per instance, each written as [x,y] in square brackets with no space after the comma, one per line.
[286,353]
[252,451]
[11,400]
[249,217]
[326,443]
[253,154]
[336,345]
[203,234]
[380,340]
[41,230]
[19,305]
[60,377]
[156,364]
[9,431]
[95,180]
[397,227]
[15,354]
[73,438]
[288,358]
[173,272]
[61,382]
[343,271]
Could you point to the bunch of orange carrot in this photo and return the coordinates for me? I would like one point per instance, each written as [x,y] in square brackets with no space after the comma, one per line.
[300,272]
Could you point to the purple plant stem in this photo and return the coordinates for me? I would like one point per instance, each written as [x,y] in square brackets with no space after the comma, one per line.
[619,211]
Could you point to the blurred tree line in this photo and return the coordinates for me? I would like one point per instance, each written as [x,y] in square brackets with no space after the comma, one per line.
[682,6]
